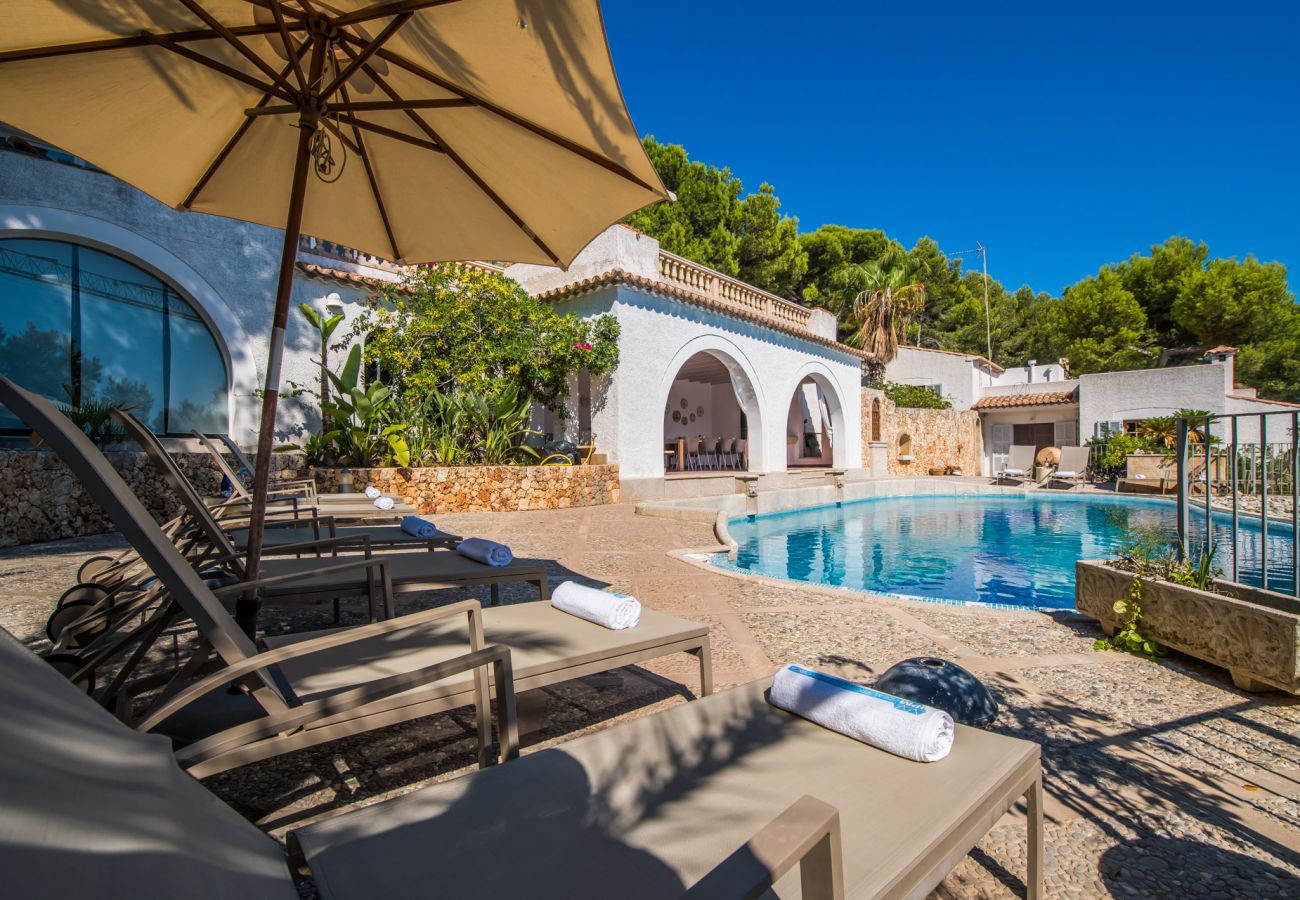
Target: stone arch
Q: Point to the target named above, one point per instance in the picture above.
(744, 383)
(231, 339)
(825, 379)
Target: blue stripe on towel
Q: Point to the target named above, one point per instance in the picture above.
(907, 706)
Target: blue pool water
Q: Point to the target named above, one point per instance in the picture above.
(1006, 549)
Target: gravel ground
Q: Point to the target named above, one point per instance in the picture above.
(1148, 765)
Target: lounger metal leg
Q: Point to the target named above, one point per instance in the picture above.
(507, 713)
(494, 593)
(1034, 803)
(705, 656)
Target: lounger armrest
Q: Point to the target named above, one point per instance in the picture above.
(262, 660)
(495, 655)
(807, 834)
(364, 562)
(362, 541)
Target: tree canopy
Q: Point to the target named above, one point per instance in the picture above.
(1160, 308)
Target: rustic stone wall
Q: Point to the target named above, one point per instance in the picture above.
(41, 500)
(939, 437)
(486, 488)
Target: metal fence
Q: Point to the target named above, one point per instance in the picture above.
(1259, 468)
(1263, 471)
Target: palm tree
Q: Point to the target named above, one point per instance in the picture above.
(885, 301)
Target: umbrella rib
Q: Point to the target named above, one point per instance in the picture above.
(231, 39)
(368, 51)
(234, 139)
(589, 155)
(278, 12)
(467, 169)
(364, 106)
(126, 43)
(389, 8)
(391, 133)
(374, 185)
(228, 71)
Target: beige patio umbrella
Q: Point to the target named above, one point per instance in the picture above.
(412, 129)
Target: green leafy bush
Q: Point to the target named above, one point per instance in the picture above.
(912, 396)
(453, 329)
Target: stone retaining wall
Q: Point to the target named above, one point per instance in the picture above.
(41, 500)
(486, 488)
(940, 437)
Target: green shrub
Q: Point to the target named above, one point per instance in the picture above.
(912, 396)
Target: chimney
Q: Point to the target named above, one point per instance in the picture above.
(1029, 368)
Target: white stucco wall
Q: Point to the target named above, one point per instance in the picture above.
(226, 268)
(962, 378)
(1143, 393)
(658, 335)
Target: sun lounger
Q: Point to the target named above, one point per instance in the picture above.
(1019, 465)
(709, 799)
(341, 506)
(408, 572)
(1073, 468)
(553, 645)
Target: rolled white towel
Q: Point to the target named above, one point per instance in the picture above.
(1010, 471)
(1065, 473)
(611, 610)
(373, 492)
(902, 727)
(490, 553)
(384, 503)
(417, 527)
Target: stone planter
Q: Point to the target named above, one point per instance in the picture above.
(485, 488)
(1254, 634)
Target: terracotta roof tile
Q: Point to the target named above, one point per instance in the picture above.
(1039, 398)
(677, 292)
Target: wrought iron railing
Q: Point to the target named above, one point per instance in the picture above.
(1264, 470)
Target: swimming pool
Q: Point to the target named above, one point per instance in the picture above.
(1004, 549)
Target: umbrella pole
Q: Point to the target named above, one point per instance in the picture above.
(247, 606)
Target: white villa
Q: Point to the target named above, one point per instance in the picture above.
(716, 378)
(1041, 404)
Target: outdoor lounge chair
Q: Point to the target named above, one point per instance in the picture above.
(301, 582)
(708, 799)
(552, 645)
(1073, 468)
(301, 492)
(1019, 464)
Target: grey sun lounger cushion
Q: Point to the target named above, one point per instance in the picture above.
(644, 810)
(409, 572)
(546, 646)
(90, 808)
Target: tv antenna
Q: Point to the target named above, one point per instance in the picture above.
(988, 319)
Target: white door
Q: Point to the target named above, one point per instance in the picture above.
(1000, 436)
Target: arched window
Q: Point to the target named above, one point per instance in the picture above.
(82, 327)
(875, 420)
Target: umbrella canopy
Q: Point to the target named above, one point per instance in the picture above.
(470, 129)
(435, 129)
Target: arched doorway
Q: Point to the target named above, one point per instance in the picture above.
(815, 434)
(711, 416)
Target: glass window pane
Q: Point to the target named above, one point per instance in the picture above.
(122, 336)
(198, 376)
(35, 318)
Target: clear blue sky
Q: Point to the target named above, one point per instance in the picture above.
(1061, 135)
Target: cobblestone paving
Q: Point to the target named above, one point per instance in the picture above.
(1162, 779)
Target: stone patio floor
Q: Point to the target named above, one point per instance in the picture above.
(1162, 779)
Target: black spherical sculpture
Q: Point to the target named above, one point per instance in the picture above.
(943, 685)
